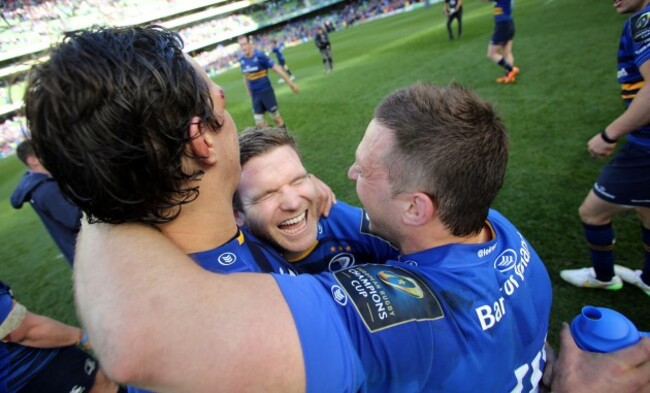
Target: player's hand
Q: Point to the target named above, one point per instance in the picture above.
(547, 377)
(578, 371)
(294, 87)
(598, 148)
(325, 197)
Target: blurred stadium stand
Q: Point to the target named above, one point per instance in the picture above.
(209, 28)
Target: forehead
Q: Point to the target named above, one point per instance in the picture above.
(278, 158)
(376, 143)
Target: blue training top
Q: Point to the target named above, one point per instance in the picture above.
(633, 52)
(344, 240)
(455, 318)
(61, 218)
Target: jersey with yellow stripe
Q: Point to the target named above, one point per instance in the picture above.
(503, 10)
(256, 71)
(633, 52)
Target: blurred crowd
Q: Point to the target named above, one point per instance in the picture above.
(37, 21)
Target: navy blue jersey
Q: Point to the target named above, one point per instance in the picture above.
(344, 240)
(277, 50)
(503, 10)
(633, 52)
(243, 253)
(18, 364)
(256, 71)
(455, 318)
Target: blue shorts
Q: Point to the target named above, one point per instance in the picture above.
(626, 179)
(70, 369)
(503, 32)
(264, 102)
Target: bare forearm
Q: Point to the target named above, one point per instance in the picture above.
(158, 320)
(42, 332)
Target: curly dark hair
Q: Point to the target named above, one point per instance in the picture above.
(109, 114)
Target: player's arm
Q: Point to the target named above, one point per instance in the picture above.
(248, 89)
(39, 331)
(636, 115)
(294, 87)
(159, 321)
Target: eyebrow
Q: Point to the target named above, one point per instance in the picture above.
(264, 193)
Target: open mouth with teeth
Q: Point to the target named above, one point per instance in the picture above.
(294, 225)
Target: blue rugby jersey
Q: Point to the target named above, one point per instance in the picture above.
(344, 240)
(18, 363)
(461, 318)
(503, 10)
(633, 52)
(256, 71)
(277, 50)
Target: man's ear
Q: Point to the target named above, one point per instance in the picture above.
(239, 216)
(33, 162)
(419, 209)
(201, 142)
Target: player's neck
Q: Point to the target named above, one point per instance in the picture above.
(434, 236)
(203, 224)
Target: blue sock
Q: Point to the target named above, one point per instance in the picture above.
(505, 64)
(600, 239)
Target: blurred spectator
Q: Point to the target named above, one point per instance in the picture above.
(61, 218)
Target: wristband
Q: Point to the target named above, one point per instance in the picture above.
(606, 138)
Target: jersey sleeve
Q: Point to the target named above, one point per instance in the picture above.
(331, 362)
(266, 61)
(639, 28)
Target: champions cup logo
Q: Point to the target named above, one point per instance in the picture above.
(227, 258)
(642, 21)
(401, 283)
(341, 261)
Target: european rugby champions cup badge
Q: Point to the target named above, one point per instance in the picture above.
(387, 296)
(641, 27)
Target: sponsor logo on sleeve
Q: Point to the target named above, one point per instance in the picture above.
(386, 296)
(227, 258)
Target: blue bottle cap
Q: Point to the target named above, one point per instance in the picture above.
(599, 329)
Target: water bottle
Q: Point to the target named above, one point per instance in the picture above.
(599, 329)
